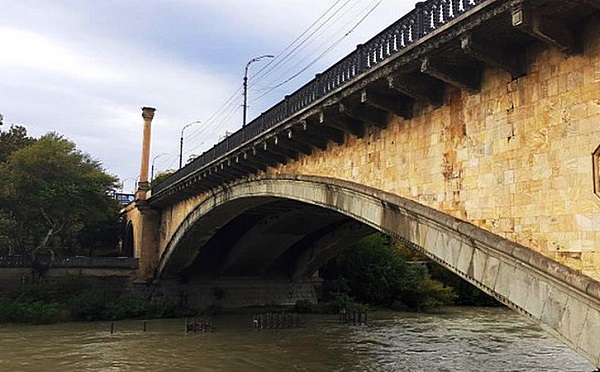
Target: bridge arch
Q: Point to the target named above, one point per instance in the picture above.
(558, 298)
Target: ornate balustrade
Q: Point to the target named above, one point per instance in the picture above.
(421, 21)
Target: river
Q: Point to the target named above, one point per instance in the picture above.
(452, 339)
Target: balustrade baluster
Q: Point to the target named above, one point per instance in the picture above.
(360, 58)
(452, 8)
(420, 21)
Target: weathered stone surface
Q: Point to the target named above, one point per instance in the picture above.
(465, 258)
(491, 272)
(573, 319)
(554, 307)
(504, 279)
(588, 340)
(478, 266)
(536, 298)
(520, 286)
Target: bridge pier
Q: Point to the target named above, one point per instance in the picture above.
(148, 241)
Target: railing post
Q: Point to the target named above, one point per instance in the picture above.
(420, 20)
(319, 89)
(360, 59)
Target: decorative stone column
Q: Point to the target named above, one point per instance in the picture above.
(143, 184)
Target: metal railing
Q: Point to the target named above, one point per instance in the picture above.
(421, 21)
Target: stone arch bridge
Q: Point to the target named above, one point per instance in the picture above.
(469, 129)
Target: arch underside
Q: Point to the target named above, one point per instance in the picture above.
(286, 227)
(127, 249)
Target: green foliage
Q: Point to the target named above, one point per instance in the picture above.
(72, 298)
(161, 177)
(375, 272)
(36, 292)
(34, 305)
(12, 140)
(433, 293)
(467, 294)
(90, 305)
(304, 307)
(124, 308)
(166, 308)
(340, 301)
(53, 197)
(36, 312)
(104, 305)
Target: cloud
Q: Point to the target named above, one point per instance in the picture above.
(84, 69)
(93, 95)
(31, 51)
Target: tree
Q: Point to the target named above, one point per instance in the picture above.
(12, 140)
(374, 271)
(161, 177)
(51, 191)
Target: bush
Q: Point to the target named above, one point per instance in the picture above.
(166, 308)
(304, 307)
(466, 293)
(35, 292)
(34, 312)
(45, 302)
(374, 271)
(433, 293)
(123, 308)
(341, 301)
(90, 305)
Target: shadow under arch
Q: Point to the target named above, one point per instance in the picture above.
(564, 302)
(128, 240)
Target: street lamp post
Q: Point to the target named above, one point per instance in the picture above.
(255, 59)
(122, 185)
(181, 140)
(153, 160)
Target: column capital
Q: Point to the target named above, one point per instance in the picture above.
(148, 113)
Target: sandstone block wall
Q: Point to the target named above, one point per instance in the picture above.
(514, 159)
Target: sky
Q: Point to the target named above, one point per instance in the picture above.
(84, 68)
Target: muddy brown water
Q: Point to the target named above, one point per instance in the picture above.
(452, 339)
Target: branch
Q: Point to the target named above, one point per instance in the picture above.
(54, 229)
(55, 226)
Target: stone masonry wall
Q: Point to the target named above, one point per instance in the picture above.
(13, 280)
(514, 159)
